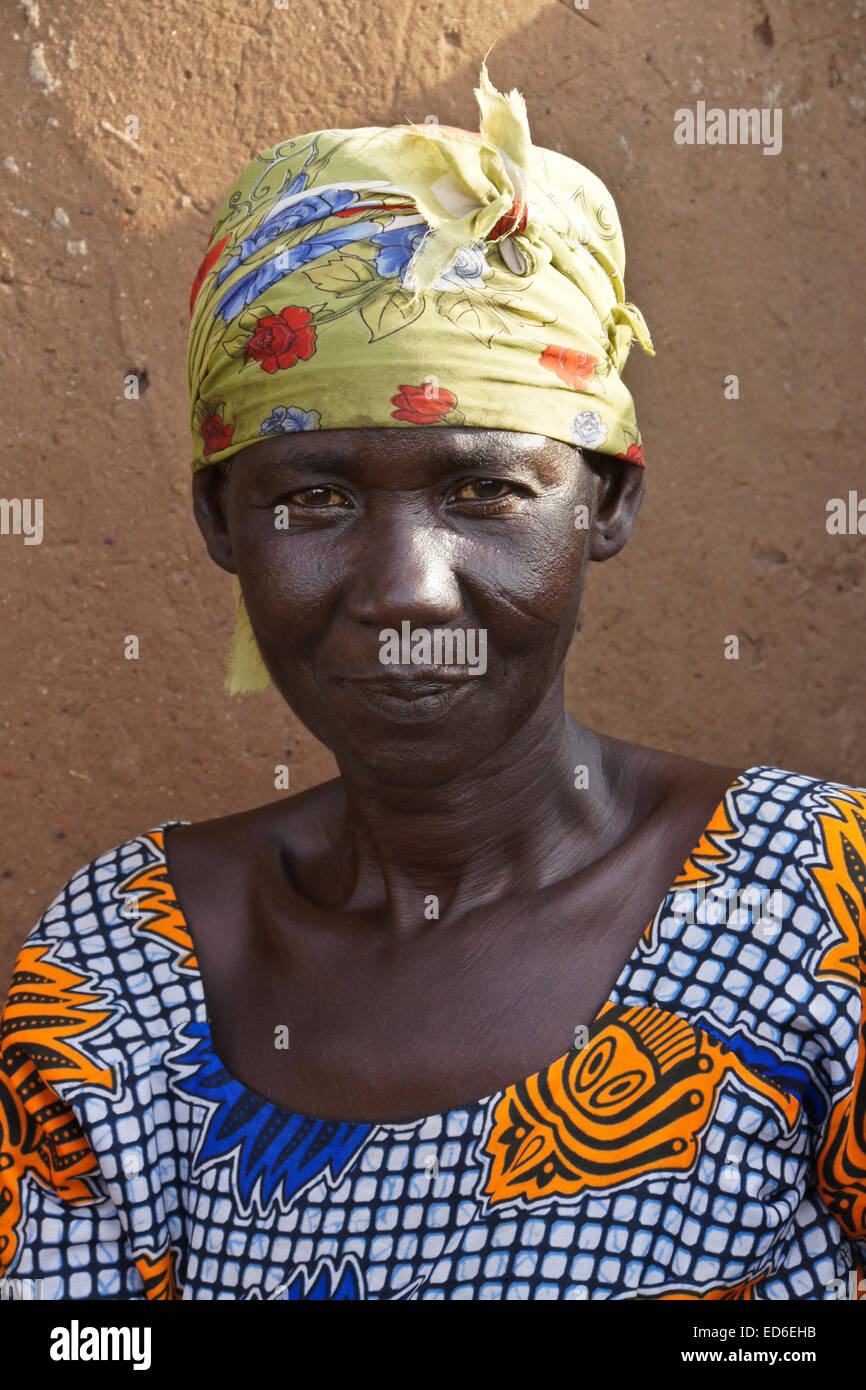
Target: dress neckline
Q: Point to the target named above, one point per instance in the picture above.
(738, 783)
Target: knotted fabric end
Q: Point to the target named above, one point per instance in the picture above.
(246, 673)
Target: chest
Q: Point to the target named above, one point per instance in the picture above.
(344, 1025)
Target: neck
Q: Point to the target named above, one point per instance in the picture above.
(514, 823)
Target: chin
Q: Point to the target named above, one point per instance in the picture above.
(414, 763)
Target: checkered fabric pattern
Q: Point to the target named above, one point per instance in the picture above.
(705, 1142)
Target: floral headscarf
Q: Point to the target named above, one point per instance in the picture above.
(412, 275)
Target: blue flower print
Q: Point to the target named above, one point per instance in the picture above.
(398, 245)
(285, 419)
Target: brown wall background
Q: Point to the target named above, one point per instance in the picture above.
(741, 262)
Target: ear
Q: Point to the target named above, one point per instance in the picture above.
(620, 489)
(210, 487)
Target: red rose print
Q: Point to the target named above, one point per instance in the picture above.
(634, 454)
(216, 434)
(422, 405)
(512, 223)
(280, 340)
(210, 259)
(574, 368)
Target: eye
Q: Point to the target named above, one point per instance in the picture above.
(481, 485)
(316, 497)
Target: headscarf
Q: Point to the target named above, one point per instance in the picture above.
(411, 275)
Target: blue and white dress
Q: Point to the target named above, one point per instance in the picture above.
(705, 1138)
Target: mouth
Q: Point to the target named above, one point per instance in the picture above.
(409, 699)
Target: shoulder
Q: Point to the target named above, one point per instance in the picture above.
(211, 862)
(103, 996)
(299, 814)
(797, 845)
(795, 976)
(792, 815)
(107, 964)
(93, 909)
(760, 940)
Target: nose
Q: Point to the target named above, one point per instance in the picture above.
(404, 570)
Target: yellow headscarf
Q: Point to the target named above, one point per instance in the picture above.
(411, 275)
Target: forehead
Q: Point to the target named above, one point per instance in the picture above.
(429, 447)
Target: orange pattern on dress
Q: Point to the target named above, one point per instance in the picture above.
(633, 1101)
(47, 1008)
(709, 854)
(712, 849)
(157, 910)
(842, 883)
(738, 1292)
(157, 1271)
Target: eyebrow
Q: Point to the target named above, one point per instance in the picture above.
(480, 454)
(307, 458)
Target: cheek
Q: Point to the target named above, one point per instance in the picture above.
(535, 586)
(290, 584)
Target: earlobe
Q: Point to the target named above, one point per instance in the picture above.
(208, 500)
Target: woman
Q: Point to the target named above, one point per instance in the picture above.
(509, 1009)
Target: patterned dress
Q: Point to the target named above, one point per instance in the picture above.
(704, 1137)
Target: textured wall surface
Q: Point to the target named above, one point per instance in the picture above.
(743, 263)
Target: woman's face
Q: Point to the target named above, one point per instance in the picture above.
(339, 536)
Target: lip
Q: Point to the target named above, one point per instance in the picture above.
(408, 687)
(407, 701)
